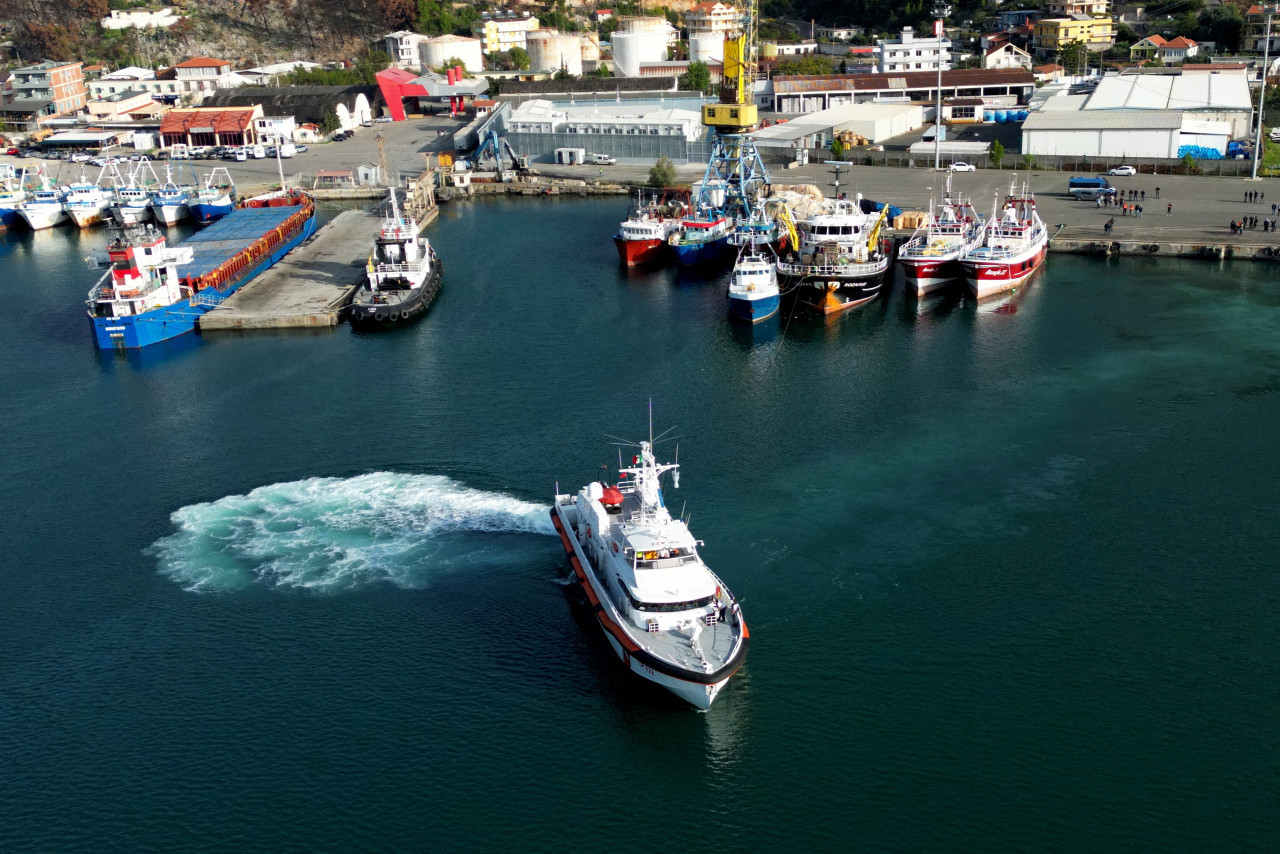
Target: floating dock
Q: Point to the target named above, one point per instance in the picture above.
(309, 287)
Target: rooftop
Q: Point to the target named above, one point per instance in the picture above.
(1108, 120)
(202, 62)
(904, 80)
(1172, 92)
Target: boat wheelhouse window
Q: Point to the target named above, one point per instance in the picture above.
(669, 607)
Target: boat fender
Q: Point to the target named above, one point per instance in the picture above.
(615, 548)
(380, 316)
(1115, 247)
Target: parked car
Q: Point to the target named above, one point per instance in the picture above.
(368, 124)
(300, 148)
(382, 119)
(603, 160)
(1122, 170)
(12, 152)
(961, 166)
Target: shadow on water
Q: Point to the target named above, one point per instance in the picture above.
(749, 335)
(146, 358)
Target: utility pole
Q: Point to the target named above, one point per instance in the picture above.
(1262, 94)
(937, 119)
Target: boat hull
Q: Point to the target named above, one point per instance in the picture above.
(926, 276)
(44, 217)
(754, 310)
(632, 252)
(131, 215)
(207, 212)
(704, 252)
(833, 294)
(369, 316)
(179, 318)
(9, 217)
(699, 689)
(169, 214)
(987, 278)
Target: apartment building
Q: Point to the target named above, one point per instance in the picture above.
(909, 52)
(497, 35)
(57, 87)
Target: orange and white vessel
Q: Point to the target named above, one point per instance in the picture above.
(1014, 246)
(931, 257)
(665, 613)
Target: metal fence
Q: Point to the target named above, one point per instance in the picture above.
(1050, 163)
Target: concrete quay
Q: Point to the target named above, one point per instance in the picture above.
(309, 286)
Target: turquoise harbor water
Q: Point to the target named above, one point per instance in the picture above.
(1010, 570)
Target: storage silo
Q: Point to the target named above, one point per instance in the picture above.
(435, 52)
(551, 50)
(707, 47)
(630, 50)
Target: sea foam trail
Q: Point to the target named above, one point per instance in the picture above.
(338, 533)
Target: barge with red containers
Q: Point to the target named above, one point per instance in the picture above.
(153, 292)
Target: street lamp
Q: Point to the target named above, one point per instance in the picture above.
(1270, 9)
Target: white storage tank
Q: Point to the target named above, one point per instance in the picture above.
(551, 50)
(630, 50)
(707, 47)
(435, 52)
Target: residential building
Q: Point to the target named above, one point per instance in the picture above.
(498, 35)
(911, 53)
(1177, 50)
(1067, 8)
(125, 106)
(807, 94)
(1017, 18)
(1007, 55)
(275, 129)
(796, 48)
(140, 19)
(128, 79)
(209, 126)
(712, 18)
(1147, 49)
(1051, 35)
(1048, 73)
(61, 84)
(403, 48)
(601, 15)
(838, 33)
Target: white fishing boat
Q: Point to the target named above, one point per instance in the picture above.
(169, 204)
(665, 613)
(215, 199)
(1015, 244)
(754, 294)
(931, 257)
(13, 192)
(87, 202)
(132, 204)
(44, 207)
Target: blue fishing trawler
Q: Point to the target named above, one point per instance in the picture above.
(153, 292)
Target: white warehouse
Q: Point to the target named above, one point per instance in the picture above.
(876, 122)
(1121, 134)
(539, 116)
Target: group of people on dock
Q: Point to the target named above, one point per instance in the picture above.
(1238, 226)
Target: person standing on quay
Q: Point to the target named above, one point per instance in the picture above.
(1168, 212)
(1157, 192)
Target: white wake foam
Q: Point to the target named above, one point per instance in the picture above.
(337, 533)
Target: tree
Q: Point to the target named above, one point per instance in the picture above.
(1222, 25)
(837, 148)
(451, 62)
(1074, 57)
(697, 78)
(663, 173)
(329, 122)
(812, 64)
(997, 154)
(519, 58)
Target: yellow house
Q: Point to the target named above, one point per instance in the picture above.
(1050, 35)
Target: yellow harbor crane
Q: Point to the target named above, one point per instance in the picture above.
(736, 112)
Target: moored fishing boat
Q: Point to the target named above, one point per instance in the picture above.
(215, 199)
(44, 206)
(1015, 244)
(931, 257)
(169, 203)
(13, 192)
(702, 239)
(665, 613)
(403, 275)
(87, 203)
(642, 237)
(841, 260)
(753, 285)
(153, 292)
(132, 205)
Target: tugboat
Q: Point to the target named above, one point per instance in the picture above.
(642, 237)
(840, 263)
(214, 200)
(403, 275)
(753, 287)
(44, 208)
(1014, 246)
(931, 257)
(665, 613)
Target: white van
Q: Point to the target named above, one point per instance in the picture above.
(241, 154)
(603, 160)
(259, 152)
(288, 150)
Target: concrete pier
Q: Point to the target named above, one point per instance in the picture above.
(309, 287)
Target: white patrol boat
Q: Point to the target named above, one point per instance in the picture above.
(666, 615)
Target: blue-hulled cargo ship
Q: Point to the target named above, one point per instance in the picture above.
(154, 292)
